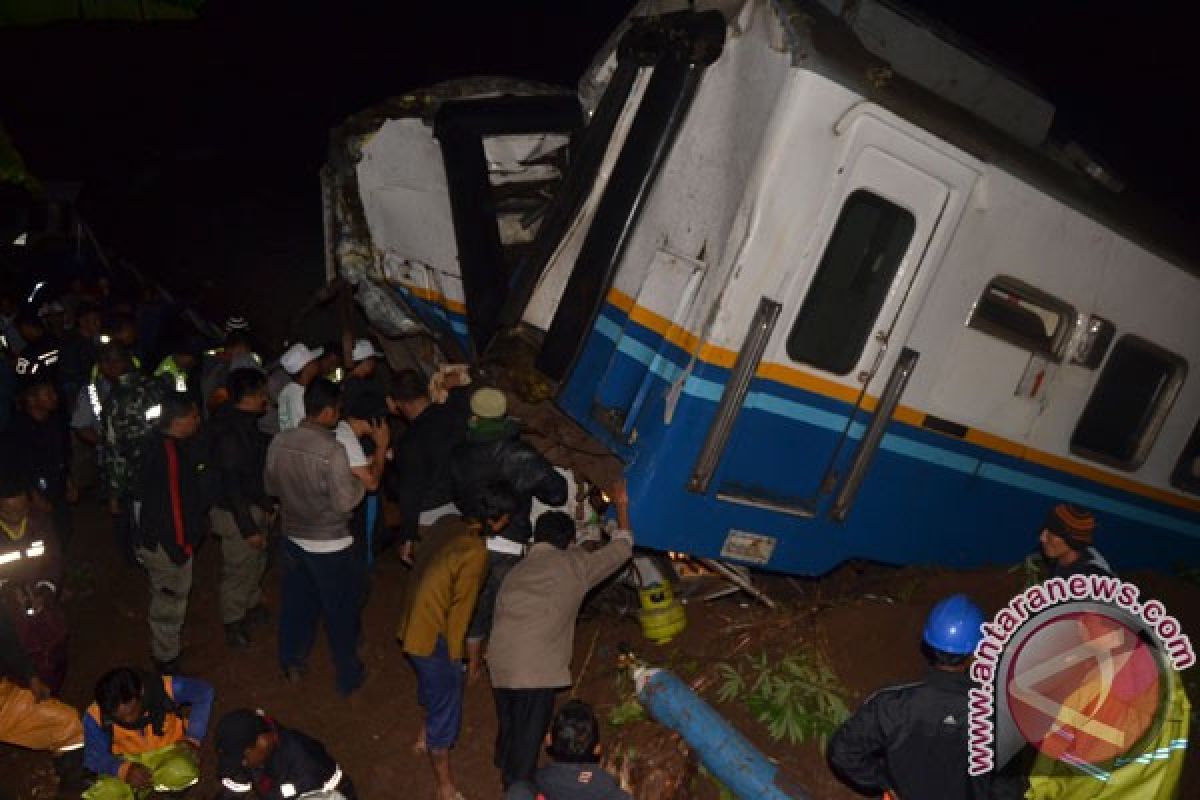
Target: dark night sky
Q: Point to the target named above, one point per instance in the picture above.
(200, 142)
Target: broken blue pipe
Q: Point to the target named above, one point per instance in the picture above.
(721, 749)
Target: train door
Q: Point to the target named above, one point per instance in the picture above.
(829, 343)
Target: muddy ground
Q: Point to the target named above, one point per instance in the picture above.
(865, 618)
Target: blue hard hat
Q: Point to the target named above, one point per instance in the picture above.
(953, 626)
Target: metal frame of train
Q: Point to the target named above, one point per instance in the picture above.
(816, 275)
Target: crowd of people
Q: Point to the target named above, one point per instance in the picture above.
(329, 466)
(325, 467)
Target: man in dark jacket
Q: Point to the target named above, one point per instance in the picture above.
(42, 351)
(575, 774)
(175, 490)
(1066, 540)
(910, 741)
(494, 451)
(80, 351)
(38, 435)
(419, 481)
(258, 757)
(239, 518)
(362, 377)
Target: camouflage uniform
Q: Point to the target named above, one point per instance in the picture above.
(128, 415)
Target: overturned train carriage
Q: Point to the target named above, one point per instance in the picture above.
(815, 273)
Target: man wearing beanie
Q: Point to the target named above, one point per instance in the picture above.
(258, 757)
(1066, 540)
(494, 451)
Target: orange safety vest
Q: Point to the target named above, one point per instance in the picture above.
(130, 742)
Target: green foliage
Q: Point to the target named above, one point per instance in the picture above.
(627, 709)
(625, 712)
(797, 698)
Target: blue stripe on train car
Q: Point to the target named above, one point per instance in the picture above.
(928, 498)
(435, 315)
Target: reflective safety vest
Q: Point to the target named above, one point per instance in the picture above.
(178, 374)
(21, 550)
(1152, 772)
(168, 729)
(93, 392)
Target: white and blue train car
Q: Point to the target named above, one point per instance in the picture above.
(827, 292)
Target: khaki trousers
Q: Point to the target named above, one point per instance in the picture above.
(242, 566)
(170, 585)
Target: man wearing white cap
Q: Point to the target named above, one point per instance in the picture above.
(361, 378)
(301, 364)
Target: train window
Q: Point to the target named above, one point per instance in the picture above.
(852, 281)
(1186, 475)
(1020, 314)
(1126, 410)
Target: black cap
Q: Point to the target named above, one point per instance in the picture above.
(237, 731)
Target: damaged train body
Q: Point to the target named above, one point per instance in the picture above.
(815, 272)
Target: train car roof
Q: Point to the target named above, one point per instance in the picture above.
(820, 41)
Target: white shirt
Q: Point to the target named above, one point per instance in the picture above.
(291, 406)
(323, 545)
(350, 443)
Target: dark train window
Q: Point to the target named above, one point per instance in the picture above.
(1186, 475)
(1020, 314)
(1126, 410)
(867, 247)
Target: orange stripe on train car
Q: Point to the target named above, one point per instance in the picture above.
(806, 381)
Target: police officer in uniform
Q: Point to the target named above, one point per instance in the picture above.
(259, 758)
(909, 742)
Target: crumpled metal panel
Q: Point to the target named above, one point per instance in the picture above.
(384, 311)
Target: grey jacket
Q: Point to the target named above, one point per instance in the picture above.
(308, 471)
(533, 634)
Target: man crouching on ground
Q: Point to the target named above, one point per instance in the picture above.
(143, 733)
(439, 599)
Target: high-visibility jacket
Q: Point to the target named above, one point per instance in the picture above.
(106, 744)
(1152, 773)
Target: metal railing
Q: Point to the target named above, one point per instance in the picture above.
(897, 381)
(734, 393)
